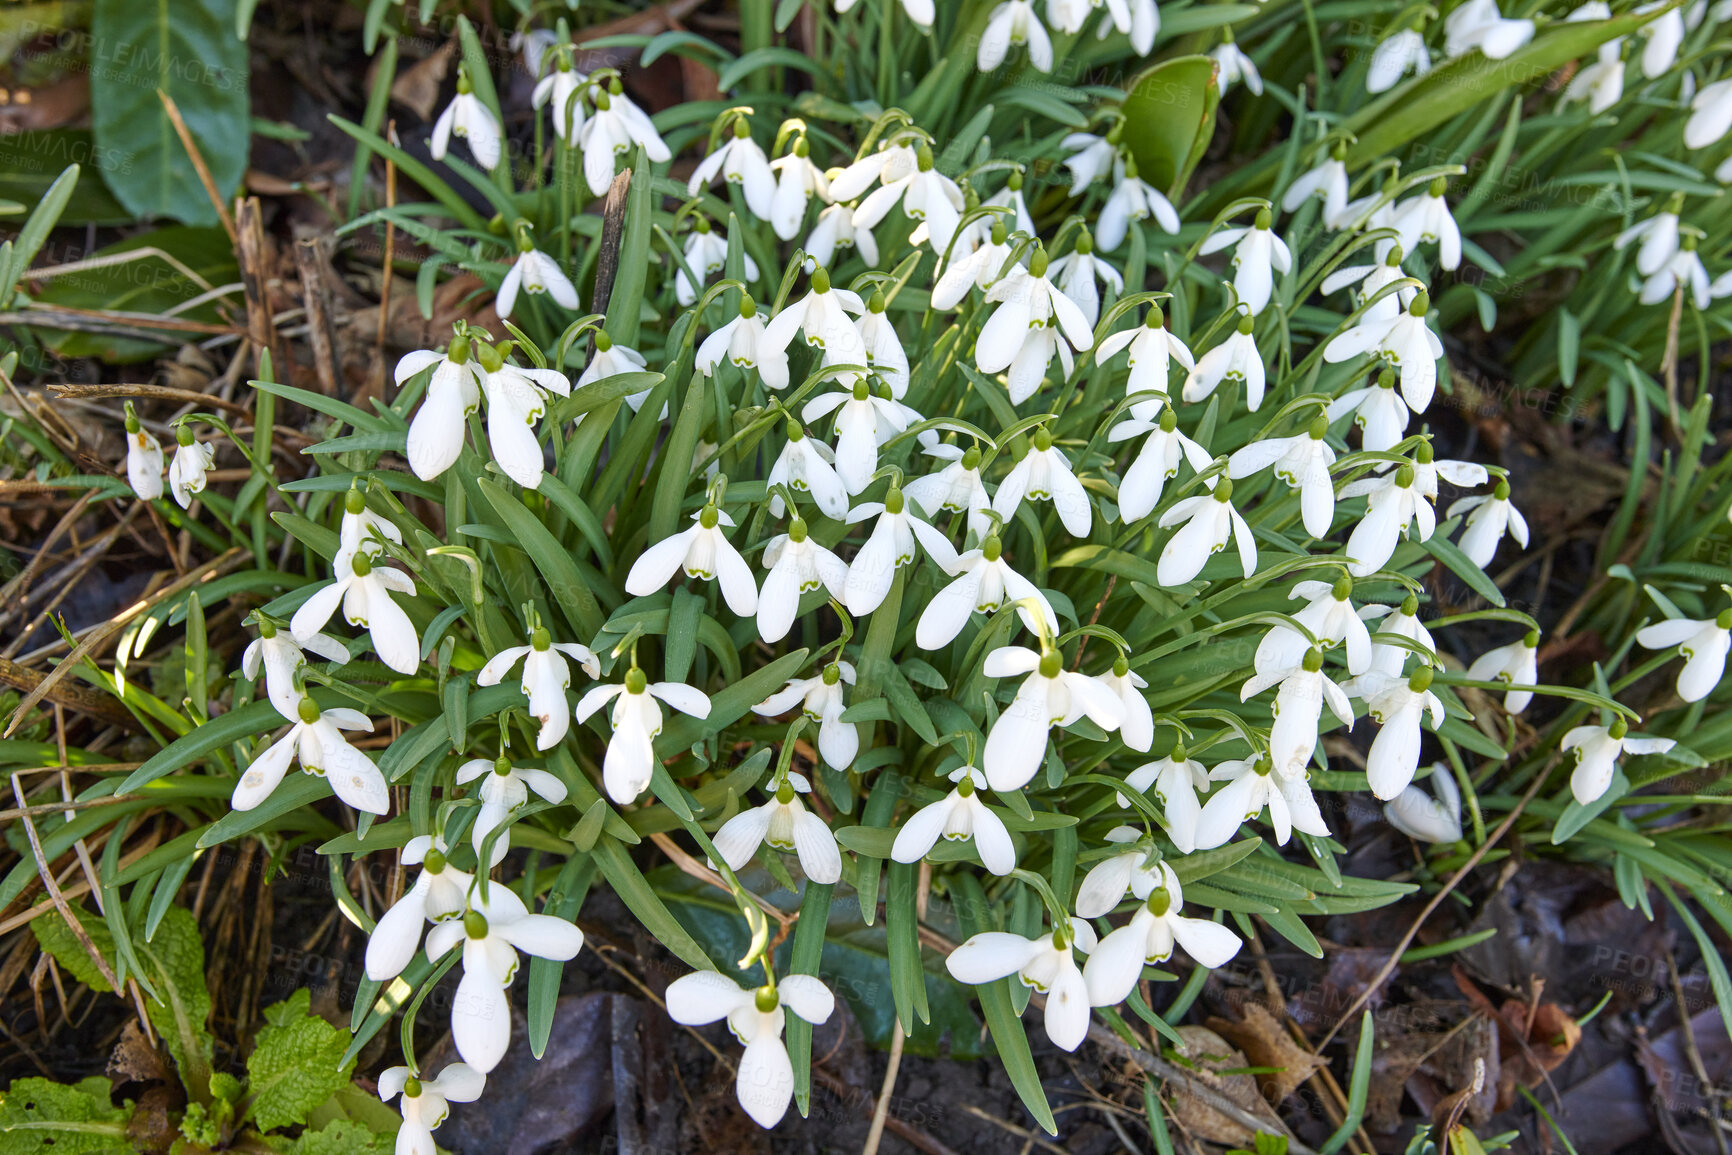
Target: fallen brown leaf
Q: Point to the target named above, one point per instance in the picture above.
(1267, 1044)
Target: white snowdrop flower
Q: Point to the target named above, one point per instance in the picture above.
(1397, 704)
(1010, 197)
(1235, 67)
(1251, 787)
(1134, 870)
(1013, 24)
(1139, 19)
(1080, 274)
(186, 474)
(821, 316)
(1326, 182)
(533, 47)
(820, 699)
(1156, 463)
(797, 565)
(786, 824)
(473, 121)
(610, 360)
(453, 392)
(616, 127)
(957, 488)
(1683, 273)
(863, 416)
(884, 352)
(1426, 219)
(1132, 199)
(1091, 158)
(1177, 780)
(1434, 817)
(984, 581)
(1033, 321)
(1044, 474)
(1703, 644)
(919, 11)
(637, 719)
(495, 927)
(1303, 689)
(925, 194)
(959, 816)
(739, 161)
(1149, 938)
(1136, 719)
(317, 741)
(364, 592)
(1488, 519)
(1402, 622)
(1393, 503)
(516, 400)
(1209, 522)
(1396, 55)
(504, 788)
(798, 180)
(974, 270)
(563, 90)
(1368, 212)
(1329, 615)
(437, 895)
(1427, 470)
(1069, 16)
(706, 254)
(1369, 280)
(361, 531)
(1710, 115)
(1601, 83)
(741, 342)
(278, 654)
(765, 1082)
(1659, 237)
(893, 160)
(143, 459)
(1598, 749)
(546, 676)
(1664, 35)
(837, 230)
(1479, 24)
(888, 548)
(1153, 348)
(1408, 343)
(1303, 462)
(1046, 963)
(534, 272)
(1377, 409)
(1236, 359)
(1516, 664)
(704, 552)
(806, 465)
(426, 1101)
(1258, 254)
(1049, 696)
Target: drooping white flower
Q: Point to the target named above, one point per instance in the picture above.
(1710, 115)
(495, 927)
(1329, 615)
(1426, 219)
(316, 740)
(1303, 462)
(1251, 786)
(1598, 749)
(807, 465)
(957, 487)
(973, 270)
(535, 272)
(563, 89)
(740, 161)
(1682, 274)
(278, 654)
(889, 547)
(1326, 182)
(1488, 519)
(637, 719)
(1049, 696)
(1068, 16)
(765, 1083)
(1368, 281)
(1177, 780)
(836, 230)
(1235, 67)
(798, 180)
(1044, 474)
(1398, 705)
(1393, 502)
(786, 824)
(1516, 664)
(1235, 359)
(1033, 321)
(1434, 817)
(884, 352)
(821, 316)
(1046, 963)
(362, 531)
(143, 459)
(1479, 24)
(1378, 410)
(957, 817)
(1156, 463)
(504, 788)
(1258, 254)
(1139, 19)
(1091, 158)
(437, 895)
(925, 194)
(616, 127)
(706, 254)
(704, 552)
(1076, 274)
(797, 565)
(1703, 644)
(1660, 241)
(1601, 83)
(364, 592)
(1132, 199)
(1303, 690)
(1136, 719)
(453, 392)
(546, 677)
(186, 474)
(1664, 35)
(1407, 342)
(865, 419)
(984, 581)
(742, 343)
(1014, 23)
(919, 11)
(820, 699)
(1394, 56)
(1134, 870)
(1152, 349)
(516, 400)
(1117, 963)
(473, 121)
(1010, 197)
(1401, 622)
(426, 1101)
(1209, 522)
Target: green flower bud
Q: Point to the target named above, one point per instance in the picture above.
(765, 1000)
(1051, 664)
(820, 280)
(434, 862)
(474, 924)
(709, 517)
(541, 640)
(1420, 680)
(308, 710)
(636, 681)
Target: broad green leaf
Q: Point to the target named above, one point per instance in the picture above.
(42, 1116)
(58, 939)
(175, 962)
(296, 1064)
(1170, 118)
